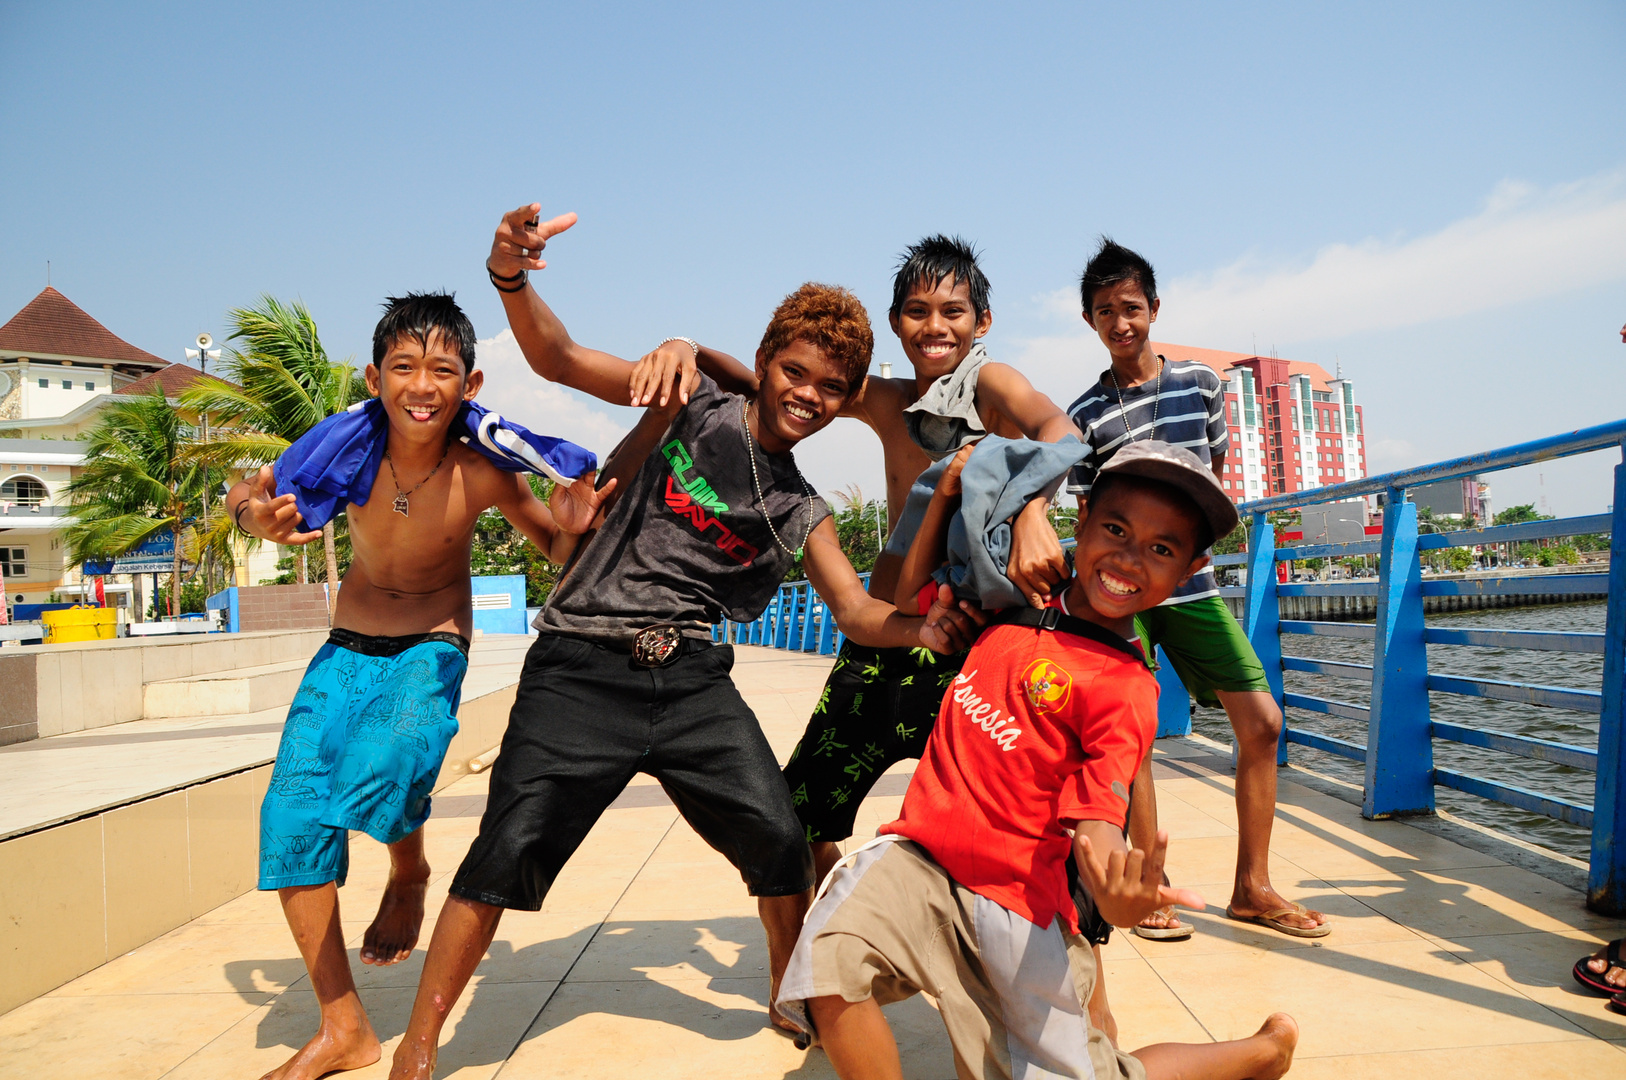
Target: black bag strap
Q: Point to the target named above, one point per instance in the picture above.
(1055, 619)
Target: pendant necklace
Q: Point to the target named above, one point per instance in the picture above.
(400, 504)
(756, 482)
(1123, 410)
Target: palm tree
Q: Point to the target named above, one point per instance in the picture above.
(138, 478)
(284, 386)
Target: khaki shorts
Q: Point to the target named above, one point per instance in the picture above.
(891, 923)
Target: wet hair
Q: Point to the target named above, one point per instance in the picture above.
(1202, 531)
(933, 259)
(829, 317)
(1111, 264)
(420, 316)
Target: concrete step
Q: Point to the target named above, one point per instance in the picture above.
(221, 693)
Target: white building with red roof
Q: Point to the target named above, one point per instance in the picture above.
(58, 368)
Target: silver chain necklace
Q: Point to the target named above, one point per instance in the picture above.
(1123, 410)
(756, 482)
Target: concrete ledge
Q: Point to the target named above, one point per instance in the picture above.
(76, 895)
(219, 693)
(92, 684)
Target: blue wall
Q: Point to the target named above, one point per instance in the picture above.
(499, 604)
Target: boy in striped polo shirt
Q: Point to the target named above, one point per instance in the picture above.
(1144, 396)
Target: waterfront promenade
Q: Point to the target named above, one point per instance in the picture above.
(1450, 954)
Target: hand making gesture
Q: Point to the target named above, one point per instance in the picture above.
(576, 504)
(268, 515)
(1129, 886)
(520, 239)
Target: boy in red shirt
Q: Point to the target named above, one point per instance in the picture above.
(965, 896)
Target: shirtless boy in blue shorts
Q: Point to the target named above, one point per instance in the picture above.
(378, 705)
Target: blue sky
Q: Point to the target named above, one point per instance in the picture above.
(1432, 194)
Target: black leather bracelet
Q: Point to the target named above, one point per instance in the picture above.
(498, 277)
(498, 282)
(237, 518)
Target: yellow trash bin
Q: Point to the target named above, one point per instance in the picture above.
(80, 624)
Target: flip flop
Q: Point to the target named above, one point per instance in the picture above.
(1165, 933)
(1272, 919)
(1591, 979)
(1617, 1002)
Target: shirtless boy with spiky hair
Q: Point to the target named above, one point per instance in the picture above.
(416, 465)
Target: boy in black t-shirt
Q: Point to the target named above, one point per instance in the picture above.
(624, 677)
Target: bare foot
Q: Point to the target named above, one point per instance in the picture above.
(330, 1051)
(780, 1022)
(412, 1061)
(1257, 902)
(395, 929)
(1282, 1032)
(1599, 965)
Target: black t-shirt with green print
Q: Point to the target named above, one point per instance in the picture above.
(687, 542)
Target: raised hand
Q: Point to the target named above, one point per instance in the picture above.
(576, 504)
(1037, 563)
(1129, 886)
(520, 239)
(671, 370)
(951, 625)
(949, 482)
(271, 516)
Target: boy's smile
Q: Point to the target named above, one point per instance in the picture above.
(801, 390)
(1135, 546)
(938, 326)
(1121, 316)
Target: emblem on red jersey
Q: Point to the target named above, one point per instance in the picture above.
(1046, 684)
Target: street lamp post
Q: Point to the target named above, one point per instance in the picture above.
(203, 354)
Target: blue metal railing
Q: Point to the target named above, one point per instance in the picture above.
(1399, 751)
(796, 619)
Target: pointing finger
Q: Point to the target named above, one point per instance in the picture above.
(554, 226)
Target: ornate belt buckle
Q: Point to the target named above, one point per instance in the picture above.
(656, 646)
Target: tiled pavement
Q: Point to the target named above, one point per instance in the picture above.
(648, 960)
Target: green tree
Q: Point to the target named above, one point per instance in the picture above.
(859, 525)
(284, 386)
(139, 477)
(499, 548)
(1513, 515)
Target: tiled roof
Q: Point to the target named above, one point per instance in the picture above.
(1222, 361)
(51, 323)
(174, 379)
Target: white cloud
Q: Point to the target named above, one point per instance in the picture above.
(1524, 244)
(514, 390)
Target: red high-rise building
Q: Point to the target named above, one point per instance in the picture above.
(1293, 426)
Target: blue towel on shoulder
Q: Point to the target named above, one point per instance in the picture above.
(334, 463)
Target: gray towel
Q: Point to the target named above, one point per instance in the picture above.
(999, 479)
(945, 418)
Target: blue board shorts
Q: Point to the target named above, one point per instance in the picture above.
(361, 749)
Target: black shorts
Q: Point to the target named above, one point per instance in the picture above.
(585, 721)
(878, 708)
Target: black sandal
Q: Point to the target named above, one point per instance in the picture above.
(1595, 982)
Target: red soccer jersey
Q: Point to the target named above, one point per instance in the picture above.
(1040, 728)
